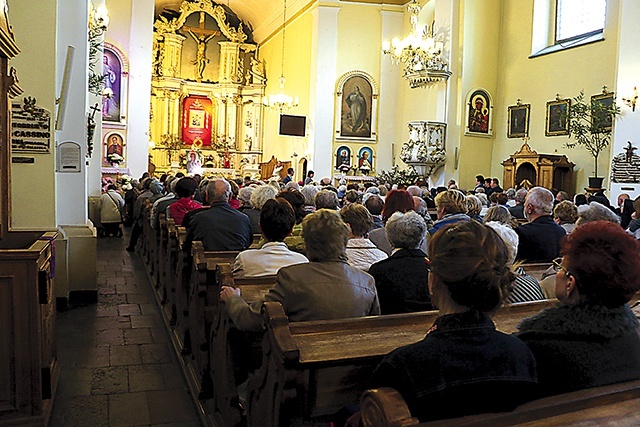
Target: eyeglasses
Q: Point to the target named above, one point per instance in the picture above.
(557, 266)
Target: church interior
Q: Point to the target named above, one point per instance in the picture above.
(97, 89)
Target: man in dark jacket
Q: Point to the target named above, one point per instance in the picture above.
(220, 228)
(540, 238)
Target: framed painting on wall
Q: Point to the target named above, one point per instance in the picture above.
(343, 158)
(556, 122)
(607, 100)
(356, 106)
(113, 148)
(365, 160)
(518, 120)
(112, 86)
(479, 113)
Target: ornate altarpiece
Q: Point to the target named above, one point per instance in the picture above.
(207, 53)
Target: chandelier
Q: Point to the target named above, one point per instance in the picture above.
(420, 53)
(281, 102)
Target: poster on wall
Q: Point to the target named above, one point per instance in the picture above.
(30, 127)
(196, 120)
(112, 82)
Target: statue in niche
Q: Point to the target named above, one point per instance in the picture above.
(201, 60)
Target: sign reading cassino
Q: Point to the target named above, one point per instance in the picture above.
(30, 127)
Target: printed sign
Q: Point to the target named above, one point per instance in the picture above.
(30, 127)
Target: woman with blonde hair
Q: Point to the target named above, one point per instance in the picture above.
(451, 207)
(474, 207)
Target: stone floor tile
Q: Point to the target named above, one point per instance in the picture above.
(141, 298)
(137, 336)
(74, 382)
(129, 310)
(145, 378)
(149, 308)
(112, 300)
(172, 375)
(93, 357)
(128, 409)
(106, 311)
(145, 321)
(170, 406)
(155, 353)
(114, 379)
(110, 337)
(81, 411)
(120, 355)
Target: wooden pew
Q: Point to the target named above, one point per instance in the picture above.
(614, 404)
(312, 369)
(233, 353)
(201, 299)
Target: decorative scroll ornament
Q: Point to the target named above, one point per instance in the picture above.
(425, 151)
(217, 12)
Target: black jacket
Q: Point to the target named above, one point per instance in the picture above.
(462, 367)
(539, 240)
(581, 346)
(401, 282)
(221, 228)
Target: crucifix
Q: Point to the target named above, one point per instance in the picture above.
(201, 36)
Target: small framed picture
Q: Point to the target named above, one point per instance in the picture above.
(557, 122)
(518, 122)
(606, 101)
(479, 113)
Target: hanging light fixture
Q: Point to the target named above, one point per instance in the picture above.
(281, 102)
(421, 54)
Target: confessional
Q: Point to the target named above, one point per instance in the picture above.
(527, 167)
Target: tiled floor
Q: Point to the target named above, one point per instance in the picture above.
(117, 364)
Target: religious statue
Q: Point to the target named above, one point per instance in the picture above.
(201, 60)
(109, 103)
(629, 152)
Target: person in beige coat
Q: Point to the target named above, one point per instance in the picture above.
(111, 204)
(325, 288)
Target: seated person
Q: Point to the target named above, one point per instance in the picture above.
(565, 214)
(185, 189)
(540, 237)
(592, 338)
(258, 198)
(401, 279)
(395, 201)
(276, 222)
(525, 288)
(451, 207)
(294, 240)
(360, 250)
(325, 288)
(463, 366)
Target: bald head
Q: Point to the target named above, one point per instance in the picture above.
(218, 190)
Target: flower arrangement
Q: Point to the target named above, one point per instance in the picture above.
(115, 158)
(125, 182)
(405, 177)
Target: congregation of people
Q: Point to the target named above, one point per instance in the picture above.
(353, 250)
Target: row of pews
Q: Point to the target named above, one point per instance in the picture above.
(303, 372)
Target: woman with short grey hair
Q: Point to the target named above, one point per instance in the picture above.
(258, 198)
(309, 192)
(401, 279)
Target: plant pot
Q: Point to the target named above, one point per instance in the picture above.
(595, 182)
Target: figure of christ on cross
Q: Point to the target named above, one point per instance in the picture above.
(201, 36)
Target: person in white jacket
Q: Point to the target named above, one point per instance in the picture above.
(111, 205)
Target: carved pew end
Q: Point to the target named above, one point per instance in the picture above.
(385, 407)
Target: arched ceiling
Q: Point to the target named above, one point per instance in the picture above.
(264, 16)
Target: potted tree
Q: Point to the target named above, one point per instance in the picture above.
(589, 124)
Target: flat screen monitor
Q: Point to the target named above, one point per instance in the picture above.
(292, 125)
